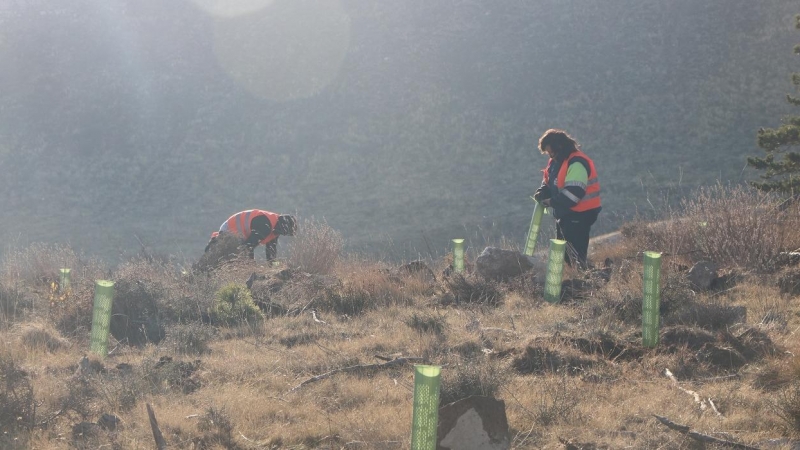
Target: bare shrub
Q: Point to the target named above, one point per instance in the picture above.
(426, 323)
(475, 377)
(168, 375)
(787, 406)
(29, 284)
(216, 428)
(558, 402)
(742, 226)
(134, 317)
(12, 305)
(472, 289)
(315, 248)
(733, 226)
(16, 395)
(190, 339)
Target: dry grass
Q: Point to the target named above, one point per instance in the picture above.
(572, 372)
(315, 248)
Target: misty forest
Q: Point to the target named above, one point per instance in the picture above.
(126, 123)
(131, 129)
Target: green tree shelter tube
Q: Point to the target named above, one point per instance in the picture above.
(63, 280)
(458, 255)
(427, 380)
(101, 316)
(533, 231)
(652, 299)
(555, 266)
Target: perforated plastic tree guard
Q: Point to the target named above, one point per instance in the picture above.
(458, 255)
(555, 266)
(533, 231)
(101, 316)
(63, 280)
(426, 407)
(652, 299)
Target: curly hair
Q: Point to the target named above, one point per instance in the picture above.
(559, 141)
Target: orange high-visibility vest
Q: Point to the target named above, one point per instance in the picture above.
(239, 223)
(592, 198)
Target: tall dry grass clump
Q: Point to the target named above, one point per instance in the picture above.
(29, 287)
(739, 226)
(734, 226)
(315, 248)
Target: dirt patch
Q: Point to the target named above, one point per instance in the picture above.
(684, 336)
(607, 348)
(540, 360)
(722, 351)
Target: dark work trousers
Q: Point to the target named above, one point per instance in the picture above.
(575, 230)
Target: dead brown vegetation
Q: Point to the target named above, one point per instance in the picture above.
(570, 372)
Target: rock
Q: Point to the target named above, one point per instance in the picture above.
(500, 265)
(473, 423)
(109, 422)
(703, 274)
(725, 358)
(789, 282)
(787, 259)
(418, 268)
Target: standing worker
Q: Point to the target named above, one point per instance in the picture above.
(570, 187)
(257, 227)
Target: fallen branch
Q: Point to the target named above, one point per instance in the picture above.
(392, 363)
(684, 429)
(161, 443)
(695, 395)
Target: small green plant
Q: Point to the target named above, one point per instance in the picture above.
(234, 304)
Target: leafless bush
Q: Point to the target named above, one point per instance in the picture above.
(558, 402)
(427, 323)
(472, 289)
(16, 395)
(190, 339)
(216, 428)
(475, 377)
(742, 227)
(787, 406)
(29, 280)
(13, 305)
(733, 226)
(315, 248)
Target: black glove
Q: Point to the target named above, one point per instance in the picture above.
(542, 193)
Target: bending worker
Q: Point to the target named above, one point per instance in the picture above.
(570, 187)
(257, 227)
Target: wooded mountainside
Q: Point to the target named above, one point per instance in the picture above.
(129, 120)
